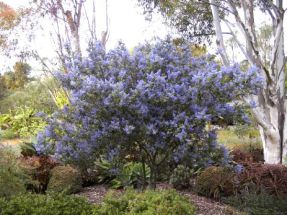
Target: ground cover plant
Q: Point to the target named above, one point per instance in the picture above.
(148, 202)
(56, 204)
(152, 105)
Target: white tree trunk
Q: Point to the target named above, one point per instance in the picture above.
(284, 153)
(271, 146)
(271, 110)
(218, 32)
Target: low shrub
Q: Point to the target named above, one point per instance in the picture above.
(12, 178)
(167, 202)
(181, 177)
(216, 182)
(65, 179)
(258, 204)
(240, 156)
(264, 177)
(28, 204)
(39, 169)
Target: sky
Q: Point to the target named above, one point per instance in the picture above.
(126, 23)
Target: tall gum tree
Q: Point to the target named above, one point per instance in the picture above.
(270, 110)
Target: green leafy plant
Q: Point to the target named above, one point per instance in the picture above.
(64, 179)
(132, 174)
(59, 204)
(165, 202)
(27, 148)
(62, 98)
(122, 175)
(22, 121)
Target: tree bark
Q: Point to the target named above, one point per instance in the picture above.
(218, 32)
(271, 110)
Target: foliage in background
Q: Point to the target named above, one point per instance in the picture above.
(153, 104)
(12, 178)
(45, 205)
(167, 202)
(193, 19)
(34, 95)
(17, 78)
(251, 156)
(61, 99)
(243, 137)
(22, 121)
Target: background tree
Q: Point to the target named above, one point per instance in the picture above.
(18, 77)
(2, 87)
(193, 19)
(21, 72)
(8, 20)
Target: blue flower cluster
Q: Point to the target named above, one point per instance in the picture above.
(154, 102)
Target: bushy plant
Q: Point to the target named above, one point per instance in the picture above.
(64, 179)
(181, 177)
(165, 202)
(216, 182)
(153, 104)
(29, 204)
(258, 204)
(12, 178)
(264, 177)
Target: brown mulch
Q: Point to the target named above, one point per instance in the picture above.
(205, 206)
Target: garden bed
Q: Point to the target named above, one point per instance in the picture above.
(204, 206)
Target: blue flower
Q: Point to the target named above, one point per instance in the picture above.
(239, 168)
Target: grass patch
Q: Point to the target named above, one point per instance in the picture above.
(242, 137)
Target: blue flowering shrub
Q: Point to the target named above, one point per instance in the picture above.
(152, 105)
